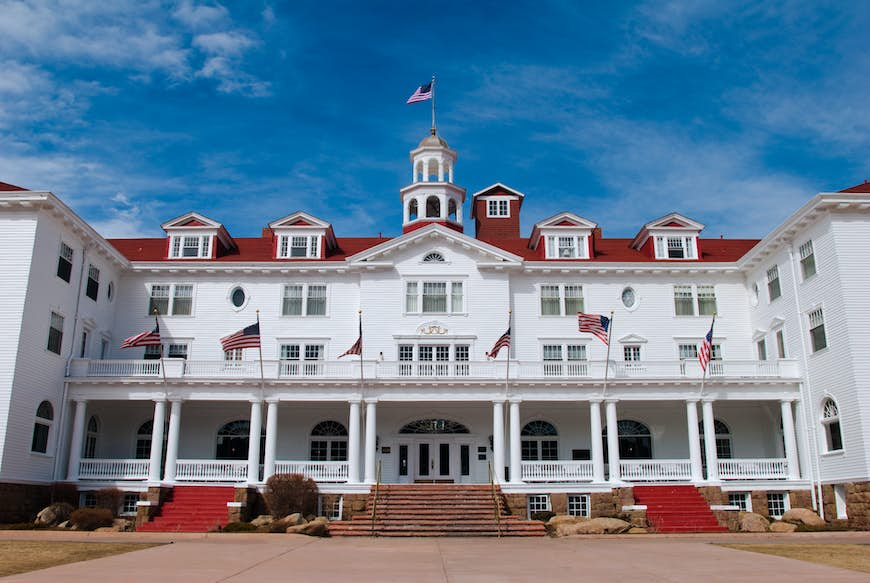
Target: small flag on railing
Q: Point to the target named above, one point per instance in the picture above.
(503, 342)
(595, 324)
(151, 338)
(706, 351)
(245, 338)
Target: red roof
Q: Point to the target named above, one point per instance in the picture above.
(620, 250)
(6, 187)
(863, 187)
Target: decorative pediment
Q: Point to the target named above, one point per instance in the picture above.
(565, 223)
(497, 188)
(632, 339)
(672, 236)
(433, 328)
(299, 219)
(674, 221)
(195, 236)
(191, 220)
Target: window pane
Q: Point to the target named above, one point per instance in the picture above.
(39, 443)
(64, 262)
(706, 300)
(573, 299)
(289, 352)
(773, 288)
(434, 297)
(316, 300)
(780, 344)
(159, 300)
(298, 246)
(567, 247)
(190, 247)
(550, 300)
(292, 305)
(411, 296)
(684, 304)
(688, 351)
(817, 335)
(456, 297)
(576, 351)
(675, 248)
(182, 302)
(55, 333)
(552, 352)
(808, 260)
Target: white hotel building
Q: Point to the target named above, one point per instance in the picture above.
(782, 417)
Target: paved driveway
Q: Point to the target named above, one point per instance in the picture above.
(264, 558)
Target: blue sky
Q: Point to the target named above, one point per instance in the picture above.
(733, 113)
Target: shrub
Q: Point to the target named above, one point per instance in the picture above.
(289, 493)
(65, 492)
(239, 527)
(91, 518)
(109, 498)
(543, 515)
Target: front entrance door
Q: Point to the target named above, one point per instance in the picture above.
(433, 461)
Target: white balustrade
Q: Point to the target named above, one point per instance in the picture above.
(655, 470)
(317, 471)
(222, 368)
(556, 471)
(105, 469)
(123, 368)
(753, 469)
(211, 470)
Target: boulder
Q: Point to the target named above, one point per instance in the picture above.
(780, 526)
(263, 520)
(600, 526)
(118, 525)
(317, 527)
(54, 514)
(752, 522)
(803, 516)
(64, 524)
(294, 519)
(637, 530)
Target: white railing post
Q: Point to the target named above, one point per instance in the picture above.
(172, 441)
(498, 440)
(597, 443)
(78, 436)
(157, 429)
(694, 440)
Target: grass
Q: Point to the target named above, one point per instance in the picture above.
(22, 556)
(845, 556)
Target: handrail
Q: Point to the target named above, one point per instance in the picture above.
(495, 503)
(377, 493)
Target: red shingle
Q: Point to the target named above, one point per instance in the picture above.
(619, 250)
(863, 187)
(6, 187)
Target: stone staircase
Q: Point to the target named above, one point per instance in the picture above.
(192, 509)
(453, 510)
(677, 509)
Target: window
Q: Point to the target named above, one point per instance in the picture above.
(93, 287)
(333, 508)
(561, 299)
(177, 350)
(565, 360)
(171, 299)
(64, 262)
(808, 260)
(777, 504)
(629, 298)
(761, 349)
(706, 300)
(578, 505)
(91, 437)
(741, 500)
(817, 330)
(567, 247)
(55, 333)
(674, 247)
(831, 424)
(190, 246)
(302, 359)
(635, 440)
(299, 246)
(433, 257)
(238, 297)
(723, 440)
(83, 346)
(773, 289)
(143, 440)
(497, 208)
(233, 439)
(538, 503)
(684, 300)
(631, 353)
(233, 357)
(42, 427)
(304, 299)
(128, 505)
(780, 344)
(328, 442)
(434, 297)
(689, 353)
(539, 441)
(840, 501)
(110, 291)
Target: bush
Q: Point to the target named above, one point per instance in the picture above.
(289, 493)
(64, 492)
(109, 498)
(239, 527)
(91, 518)
(543, 515)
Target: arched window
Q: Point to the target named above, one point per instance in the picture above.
(451, 209)
(723, 441)
(433, 257)
(635, 440)
(42, 427)
(831, 423)
(539, 441)
(91, 437)
(233, 439)
(433, 207)
(329, 442)
(143, 440)
(434, 426)
(412, 210)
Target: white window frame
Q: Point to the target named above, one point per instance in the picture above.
(93, 276)
(807, 258)
(450, 290)
(580, 505)
(51, 323)
(170, 300)
(774, 281)
(781, 350)
(761, 349)
(285, 247)
(815, 320)
(563, 297)
(498, 208)
(687, 244)
(203, 246)
(128, 504)
(302, 365)
(48, 424)
(306, 291)
(689, 299)
(65, 253)
(538, 503)
(746, 498)
(829, 417)
(579, 243)
(786, 504)
(635, 348)
(170, 348)
(567, 363)
(434, 367)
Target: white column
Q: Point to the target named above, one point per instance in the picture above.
(406, 211)
(694, 440)
(516, 444)
(612, 442)
(353, 444)
(595, 439)
(157, 430)
(414, 172)
(172, 441)
(256, 428)
(426, 163)
(271, 439)
(78, 436)
(450, 173)
(498, 440)
(788, 435)
(440, 170)
(710, 442)
(442, 201)
(371, 440)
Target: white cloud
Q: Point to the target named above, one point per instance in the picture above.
(231, 43)
(200, 15)
(124, 219)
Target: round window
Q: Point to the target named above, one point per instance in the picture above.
(629, 298)
(238, 297)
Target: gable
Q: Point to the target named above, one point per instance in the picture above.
(191, 220)
(299, 219)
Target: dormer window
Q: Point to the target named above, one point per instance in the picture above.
(567, 247)
(299, 247)
(190, 246)
(498, 208)
(675, 247)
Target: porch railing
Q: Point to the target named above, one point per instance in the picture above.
(317, 471)
(211, 470)
(753, 469)
(556, 471)
(105, 469)
(655, 470)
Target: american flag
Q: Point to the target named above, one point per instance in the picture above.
(595, 324)
(706, 351)
(151, 338)
(503, 342)
(422, 93)
(357, 346)
(245, 338)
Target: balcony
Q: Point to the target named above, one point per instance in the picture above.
(293, 370)
(200, 470)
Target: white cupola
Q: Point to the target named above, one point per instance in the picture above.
(432, 197)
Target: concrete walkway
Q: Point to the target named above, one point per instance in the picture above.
(245, 558)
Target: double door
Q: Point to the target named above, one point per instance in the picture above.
(427, 460)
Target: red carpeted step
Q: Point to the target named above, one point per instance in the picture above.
(192, 509)
(672, 509)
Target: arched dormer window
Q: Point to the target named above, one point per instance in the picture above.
(42, 427)
(433, 257)
(539, 441)
(831, 424)
(451, 210)
(433, 207)
(412, 210)
(328, 442)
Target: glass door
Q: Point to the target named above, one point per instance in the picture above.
(434, 461)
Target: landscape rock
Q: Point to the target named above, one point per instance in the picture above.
(637, 530)
(803, 516)
(564, 525)
(597, 526)
(118, 525)
(54, 514)
(317, 527)
(752, 522)
(294, 519)
(64, 524)
(263, 520)
(780, 526)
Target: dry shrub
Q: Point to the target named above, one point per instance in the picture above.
(109, 498)
(64, 492)
(289, 493)
(91, 518)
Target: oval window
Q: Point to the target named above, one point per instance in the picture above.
(238, 297)
(629, 298)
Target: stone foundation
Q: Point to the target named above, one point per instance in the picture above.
(22, 502)
(516, 505)
(857, 505)
(155, 495)
(253, 505)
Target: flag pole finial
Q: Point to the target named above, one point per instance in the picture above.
(155, 311)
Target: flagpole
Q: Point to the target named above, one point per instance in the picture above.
(162, 365)
(434, 130)
(704, 370)
(607, 358)
(260, 348)
(361, 380)
(507, 367)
